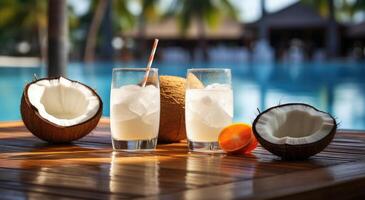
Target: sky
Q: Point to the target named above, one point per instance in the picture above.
(249, 10)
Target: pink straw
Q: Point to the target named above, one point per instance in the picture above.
(150, 60)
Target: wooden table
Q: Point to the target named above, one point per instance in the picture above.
(88, 169)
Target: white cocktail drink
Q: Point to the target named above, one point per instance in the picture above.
(135, 112)
(208, 110)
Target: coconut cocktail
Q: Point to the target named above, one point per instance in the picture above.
(135, 112)
(208, 107)
(134, 109)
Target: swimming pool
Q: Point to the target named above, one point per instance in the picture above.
(336, 87)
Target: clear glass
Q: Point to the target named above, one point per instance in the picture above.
(208, 107)
(134, 110)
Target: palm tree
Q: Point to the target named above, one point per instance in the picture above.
(263, 33)
(208, 12)
(120, 17)
(27, 20)
(100, 10)
(57, 38)
(351, 8)
(148, 13)
(30, 18)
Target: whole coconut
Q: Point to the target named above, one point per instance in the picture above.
(172, 116)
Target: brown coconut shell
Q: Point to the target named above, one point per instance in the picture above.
(50, 132)
(295, 152)
(172, 116)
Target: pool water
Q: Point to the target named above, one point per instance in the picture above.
(336, 87)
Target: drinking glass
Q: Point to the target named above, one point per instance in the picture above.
(134, 109)
(208, 107)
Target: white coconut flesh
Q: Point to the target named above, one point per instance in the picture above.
(294, 125)
(63, 102)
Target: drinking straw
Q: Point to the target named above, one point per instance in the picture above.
(150, 60)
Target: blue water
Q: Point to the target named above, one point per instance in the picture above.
(338, 87)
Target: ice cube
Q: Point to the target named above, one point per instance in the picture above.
(211, 105)
(217, 117)
(152, 106)
(212, 111)
(151, 118)
(150, 88)
(217, 86)
(131, 88)
(200, 104)
(150, 91)
(125, 94)
(137, 107)
(150, 99)
(121, 112)
(137, 100)
(206, 100)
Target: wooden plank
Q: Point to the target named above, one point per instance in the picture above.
(9, 194)
(318, 183)
(88, 169)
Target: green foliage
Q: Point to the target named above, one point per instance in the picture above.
(356, 6)
(210, 11)
(343, 8)
(149, 9)
(320, 5)
(122, 17)
(24, 20)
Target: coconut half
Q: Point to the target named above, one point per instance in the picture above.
(294, 131)
(60, 110)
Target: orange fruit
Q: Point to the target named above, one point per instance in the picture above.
(251, 146)
(237, 137)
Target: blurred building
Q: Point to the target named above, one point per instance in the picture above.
(356, 37)
(297, 26)
(297, 32)
(176, 45)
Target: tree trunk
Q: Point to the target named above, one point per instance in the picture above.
(332, 32)
(93, 31)
(57, 37)
(107, 50)
(202, 38)
(42, 38)
(141, 47)
(263, 31)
